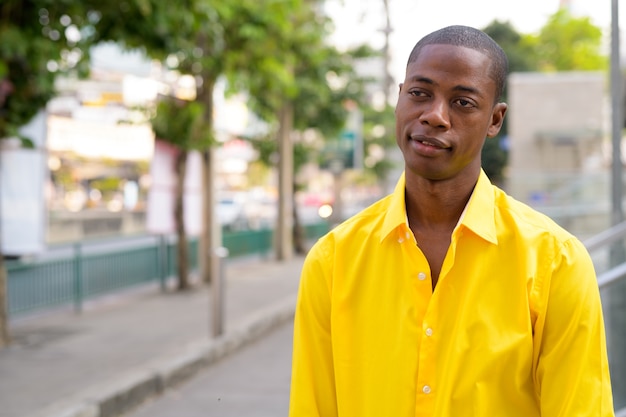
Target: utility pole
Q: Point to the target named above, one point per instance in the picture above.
(4, 320)
(389, 87)
(388, 80)
(617, 97)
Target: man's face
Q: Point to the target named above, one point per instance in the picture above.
(445, 111)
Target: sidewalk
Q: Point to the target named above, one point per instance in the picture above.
(123, 350)
(254, 382)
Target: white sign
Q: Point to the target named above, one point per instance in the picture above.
(160, 211)
(22, 199)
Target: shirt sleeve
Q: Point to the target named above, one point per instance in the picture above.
(572, 372)
(312, 378)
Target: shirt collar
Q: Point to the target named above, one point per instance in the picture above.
(478, 215)
(396, 211)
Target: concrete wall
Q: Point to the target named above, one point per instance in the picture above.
(556, 124)
(555, 120)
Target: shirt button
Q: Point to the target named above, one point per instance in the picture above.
(421, 276)
(401, 240)
(429, 332)
(426, 389)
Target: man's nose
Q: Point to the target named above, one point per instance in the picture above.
(436, 114)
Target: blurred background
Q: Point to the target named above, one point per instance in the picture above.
(168, 133)
(88, 114)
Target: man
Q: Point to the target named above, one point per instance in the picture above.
(448, 297)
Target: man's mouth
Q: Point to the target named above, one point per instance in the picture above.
(428, 141)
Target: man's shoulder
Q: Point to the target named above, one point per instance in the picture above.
(527, 219)
(353, 233)
(367, 221)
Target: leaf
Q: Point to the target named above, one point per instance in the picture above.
(26, 142)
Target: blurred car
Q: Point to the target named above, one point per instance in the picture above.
(230, 212)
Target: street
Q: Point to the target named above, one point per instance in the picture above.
(253, 382)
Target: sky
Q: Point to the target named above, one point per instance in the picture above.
(360, 21)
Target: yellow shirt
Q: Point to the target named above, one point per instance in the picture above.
(514, 327)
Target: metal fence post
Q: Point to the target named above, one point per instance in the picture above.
(162, 261)
(78, 278)
(217, 292)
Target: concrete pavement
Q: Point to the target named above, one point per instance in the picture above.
(125, 349)
(253, 383)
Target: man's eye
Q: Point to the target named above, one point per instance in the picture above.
(417, 93)
(465, 103)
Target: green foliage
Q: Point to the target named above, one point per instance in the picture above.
(494, 158)
(44, 38)
(107, 185)
(268, 70)
(378, 136)
(568, 43)
(180, 123)
(521, 58)
(565, 43)
(520, 54)
(39, 40)
(267, 148)
(295, 64)
(319, 82)
(152, 25)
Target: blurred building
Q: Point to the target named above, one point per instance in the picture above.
(559, 158)
(98, 148)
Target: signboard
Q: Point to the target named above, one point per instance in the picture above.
(160, 211)
(22, 199)
(346, 151)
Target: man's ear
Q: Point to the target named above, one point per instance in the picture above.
(497, 118)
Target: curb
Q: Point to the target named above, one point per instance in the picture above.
(113, 398)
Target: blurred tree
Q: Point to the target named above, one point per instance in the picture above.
(242, 41)
(206, 38)
(564, 43)
(42, 39)
(378, 138)
(325, 82)
(521, 58)
(328, 87)
(166, 34)
(272, 81)
(521, 55)
(568, 43)
(37, 43)
(179, 123)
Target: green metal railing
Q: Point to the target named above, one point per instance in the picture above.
(608, 252)
(82, 274)
(248, 242)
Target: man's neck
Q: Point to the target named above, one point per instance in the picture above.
(436, 205)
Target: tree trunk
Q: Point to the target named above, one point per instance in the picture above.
(179, 218)
(284, 231)
(299, 236)
(4, 319)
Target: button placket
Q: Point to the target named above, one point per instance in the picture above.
(427, 362)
